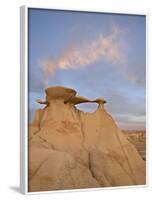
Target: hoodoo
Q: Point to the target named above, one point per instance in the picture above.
(71, 149)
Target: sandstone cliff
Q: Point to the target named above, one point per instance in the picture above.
(71, 149)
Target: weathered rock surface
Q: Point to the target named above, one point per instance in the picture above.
(138, 139)
(71, 149)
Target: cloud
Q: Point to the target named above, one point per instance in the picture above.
(137, 75)
(75, 56)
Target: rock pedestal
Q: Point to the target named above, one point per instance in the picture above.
(71, 149)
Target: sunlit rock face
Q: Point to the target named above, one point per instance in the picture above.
(72, 149)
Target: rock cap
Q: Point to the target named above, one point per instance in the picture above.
(68, 95)
(59, 92)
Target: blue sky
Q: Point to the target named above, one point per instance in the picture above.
(97, 54)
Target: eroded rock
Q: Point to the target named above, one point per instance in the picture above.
(71, 149)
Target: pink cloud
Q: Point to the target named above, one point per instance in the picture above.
(75, 56)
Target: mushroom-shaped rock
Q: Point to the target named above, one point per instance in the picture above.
(99, 101)
(71, 149)
(68, 95)
(77, 100)
(59, 92)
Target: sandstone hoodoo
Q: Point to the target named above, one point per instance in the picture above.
(71, 149)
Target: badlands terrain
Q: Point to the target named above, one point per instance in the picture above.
(72, 149)
(138, 139)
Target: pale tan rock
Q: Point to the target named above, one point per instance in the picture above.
(79, 99)
(53, 169)
(71, 149)
(138, 139)
(59, 92)
(110, 145)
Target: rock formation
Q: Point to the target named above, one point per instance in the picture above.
(71, 149)
(138, 139)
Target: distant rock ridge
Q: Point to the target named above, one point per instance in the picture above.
(71, 149)
(138, 139)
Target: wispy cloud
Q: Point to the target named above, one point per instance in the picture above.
(75, 56)
(136, 75)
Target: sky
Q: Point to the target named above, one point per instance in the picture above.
(97, 54)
